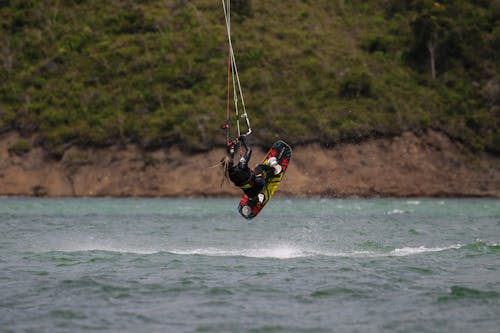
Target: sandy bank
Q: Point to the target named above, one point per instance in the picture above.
(409, 165)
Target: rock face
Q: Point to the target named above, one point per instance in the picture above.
(409, 165)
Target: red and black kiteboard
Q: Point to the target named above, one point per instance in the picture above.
(250, 208)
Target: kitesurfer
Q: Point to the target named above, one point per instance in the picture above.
(251, 181)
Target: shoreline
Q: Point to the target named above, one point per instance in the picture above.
(427, 165)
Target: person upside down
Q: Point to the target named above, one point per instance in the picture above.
(251, 181)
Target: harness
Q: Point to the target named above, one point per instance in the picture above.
(248, 183)
(251, 187)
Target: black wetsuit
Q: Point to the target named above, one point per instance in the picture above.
(250, 181)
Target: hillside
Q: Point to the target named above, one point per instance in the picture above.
(92, 74)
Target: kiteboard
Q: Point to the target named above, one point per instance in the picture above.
(251, 207)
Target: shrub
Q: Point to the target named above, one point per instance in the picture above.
(19, 148)
(377, 44)
(356, 84)
(242, 7)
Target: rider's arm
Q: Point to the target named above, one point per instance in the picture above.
(248, 153)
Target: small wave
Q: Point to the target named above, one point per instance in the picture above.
(282, 252)
(413, 202)
(278, 252)
(272, 253)
(397, 211)
(459, 292)
(103, 248)
(292, 252)
(338, 292)
(406, 251)
(481, 246)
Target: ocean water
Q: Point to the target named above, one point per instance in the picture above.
(303, 265)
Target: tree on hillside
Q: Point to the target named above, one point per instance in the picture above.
(430, 29)
(448, 34)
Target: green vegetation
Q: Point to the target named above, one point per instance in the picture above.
(153, 72)
(20, 147)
